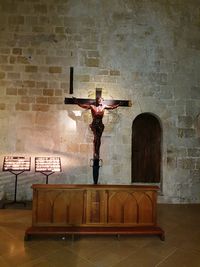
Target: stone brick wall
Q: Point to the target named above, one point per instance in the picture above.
(144, 51)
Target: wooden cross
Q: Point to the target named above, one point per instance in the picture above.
(122, 103)
(97, 126)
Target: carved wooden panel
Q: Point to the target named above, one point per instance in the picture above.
(124, 205)
(59, 208)
(94, 209)
(131, 208)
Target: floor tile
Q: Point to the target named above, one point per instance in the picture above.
(181, 258)
(181, 247)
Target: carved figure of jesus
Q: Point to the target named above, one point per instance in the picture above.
(97, 125)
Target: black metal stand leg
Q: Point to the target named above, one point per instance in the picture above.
(15, 195)
(47, 176)
(47, 179)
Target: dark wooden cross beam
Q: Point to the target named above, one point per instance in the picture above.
(122, 103)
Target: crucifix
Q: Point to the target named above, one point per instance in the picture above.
(97, 107)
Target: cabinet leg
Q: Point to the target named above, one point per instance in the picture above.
(118, 237)
(26, 237)
(162, 237)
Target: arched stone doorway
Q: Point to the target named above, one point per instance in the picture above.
(146, 149)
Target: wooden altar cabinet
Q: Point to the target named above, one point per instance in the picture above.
(94, 209)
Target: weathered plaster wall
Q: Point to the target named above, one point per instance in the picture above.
(145, 51)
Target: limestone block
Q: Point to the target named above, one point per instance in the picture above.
(186, 133)
(27, 99)
(31, 68)
(55, 100)
(186, 163)
(17, 51)
(13, 76)
(195, 174)
(195, 92)
(191, 107)
(52, 60)
(11, 91)
(197, 164)
(82, 78)
(38, 29)
(172, 162)
(185, 122)
(35, 92)
(194, 152)
(22, 91)
(84, 148)
(2, 106)
(58, 92)
(55, 69)
(42, 84)
(20, 60)
(40, 8)
(28, 83)
(48, 92)
(73, 147)
(22, 107)
(92, 62)
(114, 72)
(3, 59)
(5, 50)
(40, 107)
(2, 75)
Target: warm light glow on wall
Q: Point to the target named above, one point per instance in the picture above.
(77, 113)
(71, 124)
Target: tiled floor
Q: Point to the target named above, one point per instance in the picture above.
(180, 249)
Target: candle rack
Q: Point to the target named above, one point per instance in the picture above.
(16, 165)
(47, 165)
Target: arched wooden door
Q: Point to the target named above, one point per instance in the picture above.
(146, 149)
